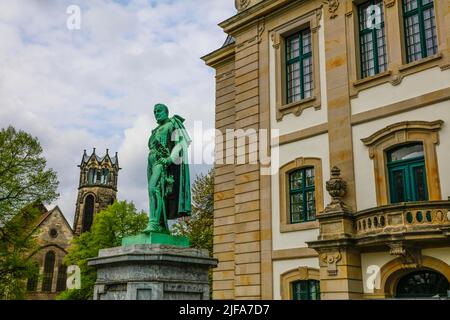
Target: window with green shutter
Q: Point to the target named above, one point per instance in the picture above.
(420, 29)
(372, 38)
(299, 70)
(302, 195)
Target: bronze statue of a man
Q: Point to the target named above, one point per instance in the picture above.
(168, 171)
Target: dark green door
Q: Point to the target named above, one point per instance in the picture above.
(407, 175)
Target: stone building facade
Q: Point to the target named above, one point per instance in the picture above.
(54, 236)
(97, 189)
(355, 97)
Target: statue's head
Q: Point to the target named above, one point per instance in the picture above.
(161, 112)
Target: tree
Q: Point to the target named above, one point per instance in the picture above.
(199, 226)
(109, 227)
(24, 182)
(17, 245)
(24, 178)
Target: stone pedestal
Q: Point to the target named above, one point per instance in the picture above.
(152, 272)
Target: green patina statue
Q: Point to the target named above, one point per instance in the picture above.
(168, 179)
(168, 171)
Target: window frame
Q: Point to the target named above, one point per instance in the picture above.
(303, 191)
(375, 47)
(309, 283)
(403, 133)
(284, 197)
(419, 12)
(278, 35)
(300, 60)
(298, 274)
(397, 68)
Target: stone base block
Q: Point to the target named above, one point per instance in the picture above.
(156, 238)
(152, 272)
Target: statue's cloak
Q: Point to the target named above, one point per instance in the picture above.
(178, 202)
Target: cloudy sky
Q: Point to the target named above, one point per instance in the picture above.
(95, 86)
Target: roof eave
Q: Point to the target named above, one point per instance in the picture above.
(219, 56)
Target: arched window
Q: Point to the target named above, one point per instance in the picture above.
(33, 280)
(49, 266)
(407, 174)
(302, 195)
(306, 290)
(91, 176)
(88, 215)
(62, 278)
(422, 284)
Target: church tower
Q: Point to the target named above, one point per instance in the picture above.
(97, 188)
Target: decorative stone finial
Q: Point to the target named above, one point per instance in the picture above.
(337, 188)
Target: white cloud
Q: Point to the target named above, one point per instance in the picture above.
(95, 87)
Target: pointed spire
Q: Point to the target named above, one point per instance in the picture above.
(107, 151)
(93, 152)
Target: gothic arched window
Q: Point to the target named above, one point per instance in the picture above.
(62, 278)
(88, 216)
(49, 266)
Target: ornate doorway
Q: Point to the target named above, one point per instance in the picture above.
(422, 284)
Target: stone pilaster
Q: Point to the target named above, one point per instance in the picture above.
(340, 261)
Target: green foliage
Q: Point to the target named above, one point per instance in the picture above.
(17, 244)
(109, 227)
(199, 227)
(24, 178)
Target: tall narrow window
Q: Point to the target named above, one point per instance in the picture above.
(407, 176)
(372, 38)
(306, 290)
(299, 72)
(49, 266)
(302, 195)
(33, 280)
(62, 278)
(88, 216)
(105, 176)
(420, 29)
(91, 176)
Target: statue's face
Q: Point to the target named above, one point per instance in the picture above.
(160, 114)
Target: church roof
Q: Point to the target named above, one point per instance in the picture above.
(114, 160)
(48, 214)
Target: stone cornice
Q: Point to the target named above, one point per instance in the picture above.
(260, 9)
(219, 56)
